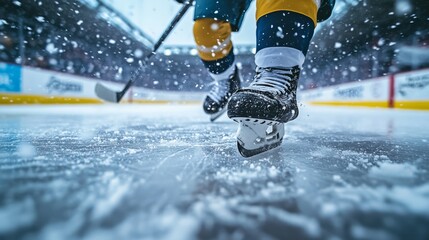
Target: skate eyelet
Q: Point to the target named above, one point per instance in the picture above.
(269, 130)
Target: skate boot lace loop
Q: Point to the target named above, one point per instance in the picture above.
(278, 81)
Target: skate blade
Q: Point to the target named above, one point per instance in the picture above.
(252, 152)
(256, 136)
(217, 115)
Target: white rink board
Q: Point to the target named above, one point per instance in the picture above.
(150, 94)
(369, 90)
(48, 83)
(412, 85)
(408, 87)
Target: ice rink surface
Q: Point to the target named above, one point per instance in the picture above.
(166, 172)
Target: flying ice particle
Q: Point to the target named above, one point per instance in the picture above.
(40, 19)
(279, 33)
(338, 44)
(214, 26)
(51, 48)
(138, 53)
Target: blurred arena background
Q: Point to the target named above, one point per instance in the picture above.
(92, 39)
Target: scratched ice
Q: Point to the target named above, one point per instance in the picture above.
(166, 172)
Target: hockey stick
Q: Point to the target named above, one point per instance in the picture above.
(113, 96)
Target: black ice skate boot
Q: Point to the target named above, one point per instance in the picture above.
(263, 108)
(218, 97)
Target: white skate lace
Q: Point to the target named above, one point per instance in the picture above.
(219, 90)
(275, 80)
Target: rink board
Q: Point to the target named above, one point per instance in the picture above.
(27, 85)
(412, 90)
(371, 93)
(408, 90)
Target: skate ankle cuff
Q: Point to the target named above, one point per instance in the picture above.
(224, 75)
(279, 57)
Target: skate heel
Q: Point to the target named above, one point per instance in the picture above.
(255, 136)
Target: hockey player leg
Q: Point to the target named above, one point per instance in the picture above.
(214, 22)
(213, 39)
(271, 97)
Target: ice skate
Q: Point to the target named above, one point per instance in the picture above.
(222, 90)
(262, 109)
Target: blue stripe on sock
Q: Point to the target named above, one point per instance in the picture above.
(284, 29)
(221, 65)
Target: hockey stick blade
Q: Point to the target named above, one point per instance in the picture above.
(106, 94)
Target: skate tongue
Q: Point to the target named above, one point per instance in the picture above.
(275, 80)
